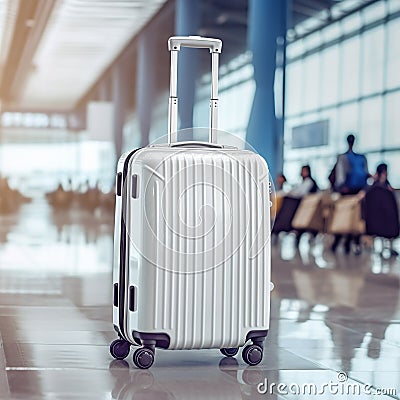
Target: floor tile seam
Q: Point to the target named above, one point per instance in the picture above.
(294, 319)
(366, 320)
(317, 363)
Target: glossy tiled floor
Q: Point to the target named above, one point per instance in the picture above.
(329, 314)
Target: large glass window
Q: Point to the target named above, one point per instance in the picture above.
(312, 82)
(351, 23)
(375, 11)
(372, 61)
(393, 54)
(374, 159)
(332, 115)
(393, 6)
(354, 82)
(393, 162)
(295, 49)
(294, 88)
(292, 172)
(370, 135)
(348, 121)
(331, 32)
(321, 167)
(55, 163)
(238, 100)
(329, 75)
(392, 120)
(350, 64)
(315, 151)
(312, 41)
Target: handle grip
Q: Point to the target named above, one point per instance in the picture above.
(176, 42)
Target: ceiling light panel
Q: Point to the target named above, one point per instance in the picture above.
(80, 41)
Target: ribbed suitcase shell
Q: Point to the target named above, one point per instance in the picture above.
(198, 250)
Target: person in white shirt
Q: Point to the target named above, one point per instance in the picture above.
(306, 186)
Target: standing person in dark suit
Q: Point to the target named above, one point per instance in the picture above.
(351, 172)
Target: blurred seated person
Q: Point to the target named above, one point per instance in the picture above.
(10, 199)
(380, 209)
(90, 199)
(280, 193)
(306, 186)
(280, 183)
(380, 177)
(60, 198)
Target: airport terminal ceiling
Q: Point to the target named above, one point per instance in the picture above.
(55, 54)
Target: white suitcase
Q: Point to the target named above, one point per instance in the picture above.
(191, 246)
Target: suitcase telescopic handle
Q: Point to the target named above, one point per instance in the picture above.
(174, 45)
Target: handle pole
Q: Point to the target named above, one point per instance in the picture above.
(174, 45)
(214, 99)
(173, 100)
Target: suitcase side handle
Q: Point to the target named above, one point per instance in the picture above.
(174, 45)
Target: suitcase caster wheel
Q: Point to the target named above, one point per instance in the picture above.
(143, 358)
(252, 354)
(230, 352)
(119, 349)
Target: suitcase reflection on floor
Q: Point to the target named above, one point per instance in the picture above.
(227, 381)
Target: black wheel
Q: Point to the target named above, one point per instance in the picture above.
(252, 354)
(119, 349)
(143, 358)
(230, 352)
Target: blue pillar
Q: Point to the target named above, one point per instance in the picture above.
(267, 28)
(187, 22)
(145, 87)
